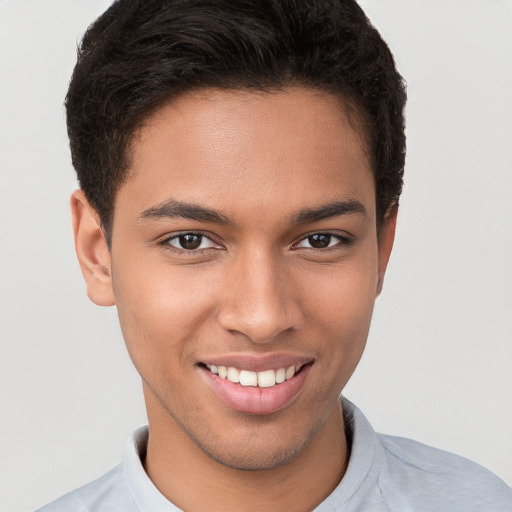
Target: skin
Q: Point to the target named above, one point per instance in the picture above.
(254, 287)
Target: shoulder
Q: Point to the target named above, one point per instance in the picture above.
(442, 480)
(106, 494)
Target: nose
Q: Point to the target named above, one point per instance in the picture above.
(260, 300)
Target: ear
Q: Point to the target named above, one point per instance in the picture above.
(385, 239)
(92, 250)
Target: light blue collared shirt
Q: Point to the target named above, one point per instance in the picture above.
(384, 474)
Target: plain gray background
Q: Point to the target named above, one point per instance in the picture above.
(438, 366)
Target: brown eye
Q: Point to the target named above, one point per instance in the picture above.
(319, 240)
(190, 242)
(324, 241)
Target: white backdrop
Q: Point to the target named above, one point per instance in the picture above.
(438, 366)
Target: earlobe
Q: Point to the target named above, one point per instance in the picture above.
(386, 240)
(92, 250)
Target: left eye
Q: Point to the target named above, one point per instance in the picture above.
(319, 241)
(190, 242)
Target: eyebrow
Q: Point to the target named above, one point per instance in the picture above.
(171, 209)
(327, 211)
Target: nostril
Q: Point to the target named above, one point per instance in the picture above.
(260, 303)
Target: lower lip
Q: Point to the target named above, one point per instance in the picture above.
(255, 400)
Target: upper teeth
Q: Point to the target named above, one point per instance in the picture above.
(264, 379)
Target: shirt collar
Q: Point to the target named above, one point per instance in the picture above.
(363, 451)
(143, 492)
(362, 470)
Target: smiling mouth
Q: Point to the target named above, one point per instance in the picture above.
(263, 379)
(257, 386)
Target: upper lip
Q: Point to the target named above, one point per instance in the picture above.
(258, 363)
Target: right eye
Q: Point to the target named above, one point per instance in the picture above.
(190, 242)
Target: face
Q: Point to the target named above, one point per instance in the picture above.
(244, 248)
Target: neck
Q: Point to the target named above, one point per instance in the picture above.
(192, 480)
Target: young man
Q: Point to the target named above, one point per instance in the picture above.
(240, 166)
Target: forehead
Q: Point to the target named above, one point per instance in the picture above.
(225, 148)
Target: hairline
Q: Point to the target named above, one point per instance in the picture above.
(356, 115)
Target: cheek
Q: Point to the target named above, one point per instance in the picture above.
(341, 308)
(160, 312)
(343, 295)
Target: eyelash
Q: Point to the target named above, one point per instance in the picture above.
(342, 240)
(166, 242)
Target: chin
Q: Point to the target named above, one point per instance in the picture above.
(244, 459)
(259, 449)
